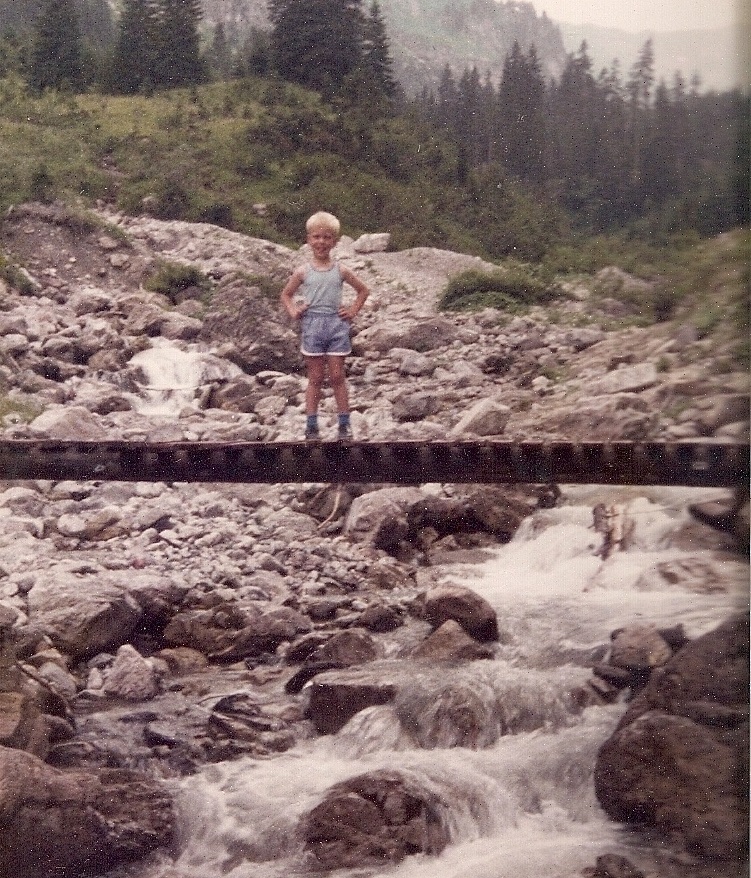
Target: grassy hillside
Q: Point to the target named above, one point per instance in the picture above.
(218, 152)
(214, 152)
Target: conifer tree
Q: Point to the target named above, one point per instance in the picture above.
(316, 43)
(376, 58)
(56, 55)
(521, 114)
(178, 45)
(134, 59)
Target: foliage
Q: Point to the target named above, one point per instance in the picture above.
(158, 46)
(14, 276)
(57, 53)
(510, 289)
(17, 411)
(613, 154)
(316, 43)
(173, 278)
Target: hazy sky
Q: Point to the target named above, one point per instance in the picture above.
(637, 15)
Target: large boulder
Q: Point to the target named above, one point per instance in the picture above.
(679, 757)
(476, 616)
(240, 314)
(336, 696)
(376, 818)
(423, 335)
(381, 517)
(83, 614)
(59, 824)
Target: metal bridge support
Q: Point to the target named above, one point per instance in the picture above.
(699, 463)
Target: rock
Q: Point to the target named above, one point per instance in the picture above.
(485, 418)
(425, 335)
(375, 242)
(639, 648)
(629, 379)
(83, 615)
(380, 618)
(451, 643)
(382, 816)
(131, 676)
(677, 766)
(71, 422)
(380, 517)
(727, 409)
(476, 616)
(415, 406)
(336, 696)
(615, 866)
(346, 648)
(75, 823)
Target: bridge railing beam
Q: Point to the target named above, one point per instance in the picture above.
(692, 463)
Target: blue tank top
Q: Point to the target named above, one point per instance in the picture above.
(322, 290)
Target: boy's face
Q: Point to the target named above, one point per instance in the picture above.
(321, 241)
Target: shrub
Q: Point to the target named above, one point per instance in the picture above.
(13, 275)
(511, 290)
(171, 279)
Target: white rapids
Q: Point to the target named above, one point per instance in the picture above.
(523, 806)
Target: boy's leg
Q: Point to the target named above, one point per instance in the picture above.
(338, 380)
(315, 368)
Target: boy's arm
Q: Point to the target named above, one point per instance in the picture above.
(349, 312)
(294, 310)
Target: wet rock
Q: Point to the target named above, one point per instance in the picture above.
(639, 648)
(678, 767)
(375, 818)
(451, 643)
(476, 616)
(75, 823)
(613, 866)
(347, 648)
(380, 618)
(336, 696)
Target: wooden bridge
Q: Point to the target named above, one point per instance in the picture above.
(693, 463)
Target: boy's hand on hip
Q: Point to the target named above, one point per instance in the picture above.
(348, 312)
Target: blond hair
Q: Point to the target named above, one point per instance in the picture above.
(323, 220)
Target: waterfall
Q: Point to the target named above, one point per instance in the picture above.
(174, 376)
(521, 802)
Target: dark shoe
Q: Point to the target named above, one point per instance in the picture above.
(345, 433)
(312, 436)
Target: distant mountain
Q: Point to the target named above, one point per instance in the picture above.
(712, 53)
(426, 35)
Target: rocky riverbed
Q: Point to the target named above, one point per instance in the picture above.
(149, 630)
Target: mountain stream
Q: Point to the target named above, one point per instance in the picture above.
(522, 804)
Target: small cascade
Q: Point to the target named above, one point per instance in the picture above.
(174, 377)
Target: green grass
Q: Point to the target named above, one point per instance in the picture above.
(213, 152)
(513, 289)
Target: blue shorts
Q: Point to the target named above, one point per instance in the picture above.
(324, 334)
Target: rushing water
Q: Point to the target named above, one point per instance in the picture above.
(174, 376)
(522, 805)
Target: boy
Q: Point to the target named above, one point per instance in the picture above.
(325, 320)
